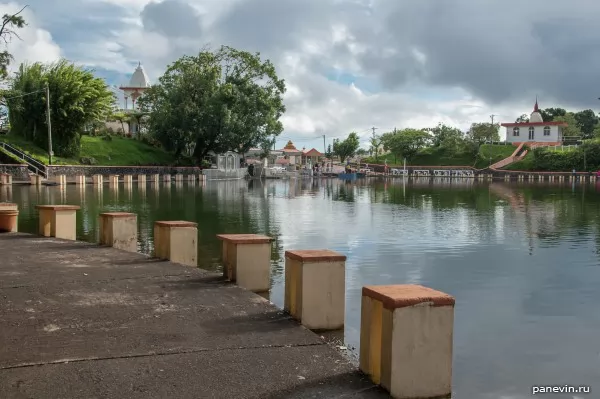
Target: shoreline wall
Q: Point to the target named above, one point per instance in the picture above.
(90, 170)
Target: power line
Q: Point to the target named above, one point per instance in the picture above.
(26, 94)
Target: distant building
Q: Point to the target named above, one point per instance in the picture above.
(138, 83)
(536, 130)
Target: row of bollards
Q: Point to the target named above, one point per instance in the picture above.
(406, 330)
(98, 179)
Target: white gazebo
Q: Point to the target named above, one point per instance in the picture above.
(138, 83)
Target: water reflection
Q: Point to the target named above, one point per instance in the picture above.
(522, 259)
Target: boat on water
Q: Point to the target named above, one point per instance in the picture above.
(347, 176)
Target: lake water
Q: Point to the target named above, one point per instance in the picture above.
(522, 260)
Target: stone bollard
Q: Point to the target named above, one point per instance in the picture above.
(61, 180)
(155, 179)
(119, 230)
(9, 217)
(5, 178)
(247, 260)
(315, 285)
(35, 180)
(128, 180)
(141, 179)
(406, 340)
(80, 180)
(178, 178)
(58, 221)
(113, 180)
(166, 178)
(97, 180)
(176, 241)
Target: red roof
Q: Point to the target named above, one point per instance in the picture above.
(313, 153)
(535, 124)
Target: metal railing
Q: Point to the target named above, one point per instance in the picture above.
(33, 164)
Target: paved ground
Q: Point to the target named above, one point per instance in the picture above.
(82, 321)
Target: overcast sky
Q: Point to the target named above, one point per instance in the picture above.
(348, 64)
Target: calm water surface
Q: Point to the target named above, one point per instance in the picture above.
(522, 261)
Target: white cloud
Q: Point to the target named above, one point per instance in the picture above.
(36, 44)
(306, 43)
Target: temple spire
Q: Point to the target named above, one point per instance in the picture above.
(535, 107)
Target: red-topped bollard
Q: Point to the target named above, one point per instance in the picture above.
(406, 340)
(315, 288)
(247, 260)
(58, 221)
(9, 215)
(176, 241)
(119, 230)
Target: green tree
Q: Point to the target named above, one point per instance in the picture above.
(548, 114)
(523, 119)
(587, 122)
(347, 148)
(375, 143)
(572, 130)
(405, 143)
(224, 100)
(120, 117)
(361, 152)
(482, 132)
(446, 136)
(77, 99)
(329, 152)
(10, 22)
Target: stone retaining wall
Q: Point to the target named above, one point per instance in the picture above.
(75, 170)
(18, 172)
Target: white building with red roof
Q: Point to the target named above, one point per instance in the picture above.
(535, 131)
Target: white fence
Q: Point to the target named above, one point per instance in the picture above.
(224, 174)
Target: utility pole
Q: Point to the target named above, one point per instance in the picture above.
(374, 128)
(49, 124)
(324, 146)
(492, 116)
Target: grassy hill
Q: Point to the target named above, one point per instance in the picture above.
(488, 153)
(119, 151)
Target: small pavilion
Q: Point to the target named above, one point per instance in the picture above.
(138, 83)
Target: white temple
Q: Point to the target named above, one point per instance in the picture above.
(138, 83)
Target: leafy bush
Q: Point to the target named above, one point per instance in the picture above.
(107, 137)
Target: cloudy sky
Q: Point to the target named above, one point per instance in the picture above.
(348, 64)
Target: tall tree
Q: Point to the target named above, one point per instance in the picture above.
(586, 121)
(224, 100)
(375, 143)
(405, 143)
(329, 152)
(445, 136)
(8, 30)
(523, 119)
(548, 114)
(482, 132)
(77, 99)
(572, 130)
(347, 148)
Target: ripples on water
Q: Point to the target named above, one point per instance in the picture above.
(521, 260)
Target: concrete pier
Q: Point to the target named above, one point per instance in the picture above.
(247, 260)
(58, 221)
(141, 179)
(406, 340)
(92, 321)
(119, 230)
(315, 288)
(97, 180)
(176, 241)
(35, 180)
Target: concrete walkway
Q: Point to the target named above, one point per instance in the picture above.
(82, 321)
